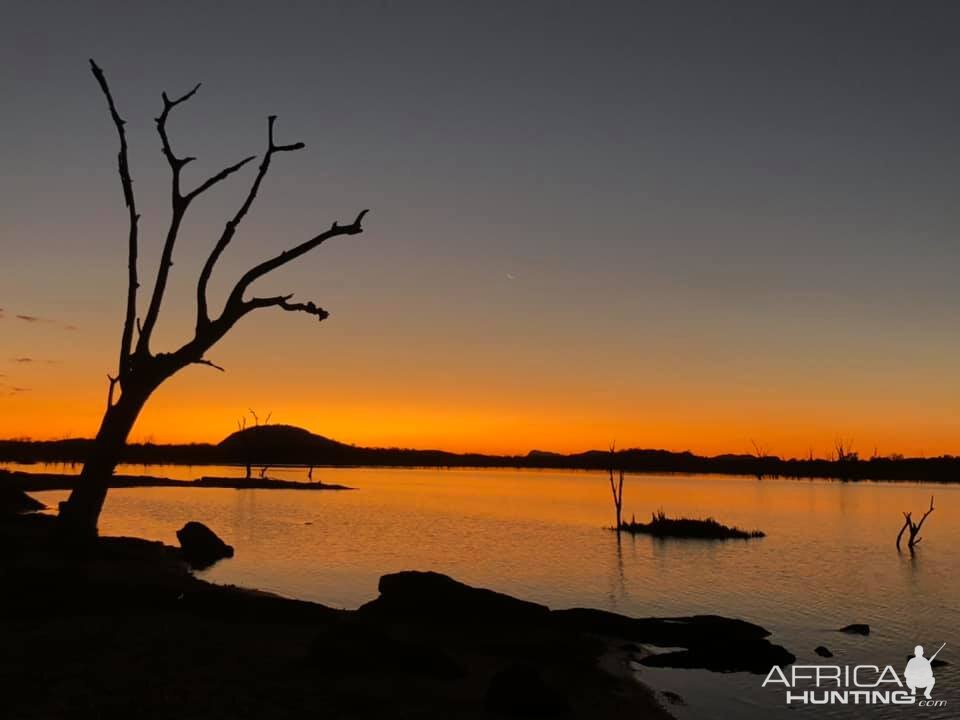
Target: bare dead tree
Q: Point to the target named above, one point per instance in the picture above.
(616, 489)
(914, 528)
(140, 371)
(760, 453)
(844, 452)
(241, 426)
(245, 440)
(256, 418)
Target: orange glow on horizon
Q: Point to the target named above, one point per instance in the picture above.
(180, 415)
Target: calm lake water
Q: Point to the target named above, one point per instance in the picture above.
(829, 558)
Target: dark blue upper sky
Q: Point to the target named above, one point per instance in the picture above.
(742, 202)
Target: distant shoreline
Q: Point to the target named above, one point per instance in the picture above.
(285, 446)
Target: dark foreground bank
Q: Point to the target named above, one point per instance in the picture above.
(121, 629)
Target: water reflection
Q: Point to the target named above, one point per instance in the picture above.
(829, 558)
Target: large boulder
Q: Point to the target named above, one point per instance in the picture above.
(708, 642)
(415, 594)
(200, 545)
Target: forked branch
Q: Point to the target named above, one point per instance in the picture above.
(180, 202)
(283, 302)
(258, 271)
(230, 228)
(914, 528)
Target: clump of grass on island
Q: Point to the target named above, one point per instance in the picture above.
(707, 528)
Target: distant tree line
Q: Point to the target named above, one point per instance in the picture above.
(278, 445)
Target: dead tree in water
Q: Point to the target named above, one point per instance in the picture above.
(241, 426)
(760, 454)
(914, 528)
(140, 371)
(245, 440)
(616, 488)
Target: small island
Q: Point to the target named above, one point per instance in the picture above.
(699, 528)
(17, 480)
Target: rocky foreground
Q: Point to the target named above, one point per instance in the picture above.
(122, 629)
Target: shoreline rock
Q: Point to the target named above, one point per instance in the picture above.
(132, 610)
(855, 629)
(201, 546)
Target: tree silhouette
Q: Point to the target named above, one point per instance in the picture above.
(616, 489)
(140, 371)
(913, 527)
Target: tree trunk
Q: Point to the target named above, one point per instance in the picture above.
(79, 514)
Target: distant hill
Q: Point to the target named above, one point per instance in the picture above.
(288, 445)
(269, 443)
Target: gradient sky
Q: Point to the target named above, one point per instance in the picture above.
(679, 225)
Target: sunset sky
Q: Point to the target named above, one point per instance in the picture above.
(672, 224)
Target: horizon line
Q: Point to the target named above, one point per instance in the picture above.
(852, 454)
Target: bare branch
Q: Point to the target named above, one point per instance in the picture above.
(113, 383)
(126, 182)
(925, 514)
(222, 175)
(258, 271)
(179, 205)
(175, 163)
(204, 361)
(231, 227)
(759, 451)
(283, 302)
(170, 104)
(906, 524)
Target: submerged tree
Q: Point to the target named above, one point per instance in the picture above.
(140, 371)
(245, 440)
(913, 527)
(760, 454)
(616, 489)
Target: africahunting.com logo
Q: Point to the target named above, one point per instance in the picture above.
(859, 684)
